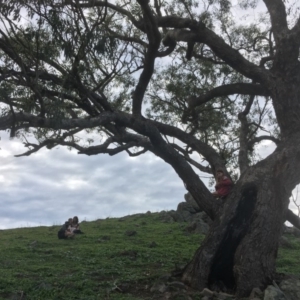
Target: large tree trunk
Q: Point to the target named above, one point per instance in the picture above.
(239, 253)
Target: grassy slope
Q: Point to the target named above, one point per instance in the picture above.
(34, 264)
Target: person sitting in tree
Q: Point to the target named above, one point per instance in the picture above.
(223, 185)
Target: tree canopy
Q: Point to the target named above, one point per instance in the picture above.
(182, 79)
(200, 84)
(78, 60)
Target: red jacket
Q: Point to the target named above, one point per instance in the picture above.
(224, 186)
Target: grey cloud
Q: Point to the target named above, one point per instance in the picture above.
(48, 187)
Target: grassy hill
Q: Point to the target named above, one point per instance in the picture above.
(119, 258)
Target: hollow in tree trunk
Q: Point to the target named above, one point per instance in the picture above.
(239, 252)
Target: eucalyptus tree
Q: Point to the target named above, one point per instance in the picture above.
(189, 81)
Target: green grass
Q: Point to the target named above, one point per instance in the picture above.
(35, 264)
(288, 258)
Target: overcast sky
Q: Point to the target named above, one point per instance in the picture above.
(50, 186)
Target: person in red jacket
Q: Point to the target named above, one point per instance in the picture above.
(223, 185)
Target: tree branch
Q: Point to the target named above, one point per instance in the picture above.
(244, 130)
(191, 180)
(287, 42)
(209, 153)
(107, 118)
(209, 59)
(226, 90)
(130, 140)
(293, 219)
(144, 127)
(258, 139)
(127, 38)
(82, 103)
(200, 34)
(296, 31)
(154, 38)
(276, 9)
(117, 8)
(190, 160)
(265, 59)
(171, 44)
